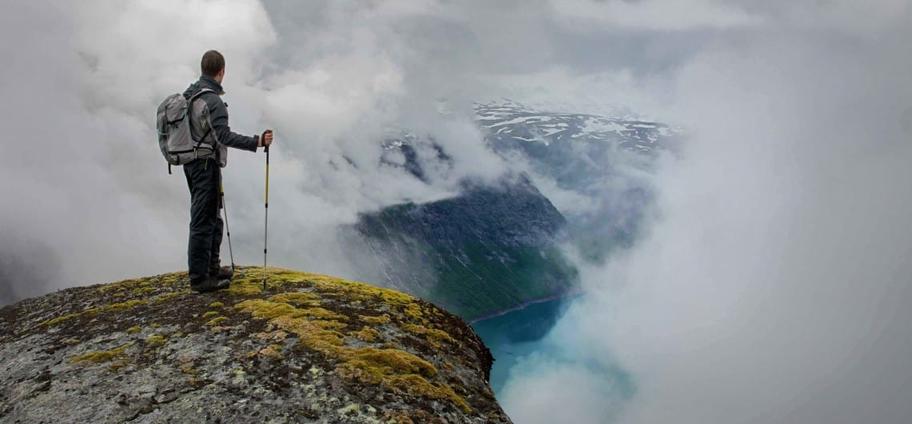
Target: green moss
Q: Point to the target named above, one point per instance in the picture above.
(116, 307)
(413, 311)
(250, 283)
(316, 328)
(297, 298)
(433, 335)
(320, 313)
(376, 320)
(265, 309)
(357, 291)
(162, 298)
(245, 285)
(313, 334)
(366, 334)
(55, 321)
(155, 340)
(119, 285)
(296, 306)
(216, 321)
(400, 371)
(418, 386)
(139, 291)
(268, 309)
(100, 356)
(388, 362)
(91, 312)
(285, 277)
(329, 324)
(316, 334)
(353, 291)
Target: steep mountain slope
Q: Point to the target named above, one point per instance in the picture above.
(490, 248)
(310, 348)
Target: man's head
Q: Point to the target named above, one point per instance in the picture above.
(213, 65)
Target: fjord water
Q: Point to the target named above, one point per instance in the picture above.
(518, 333)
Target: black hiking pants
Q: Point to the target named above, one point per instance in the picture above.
(204, 180)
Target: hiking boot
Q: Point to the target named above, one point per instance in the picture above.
(223, 273)
(210, 284)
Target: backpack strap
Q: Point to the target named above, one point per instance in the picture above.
(199, 93)
(190, 112)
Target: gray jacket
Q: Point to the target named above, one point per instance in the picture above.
(218, 116)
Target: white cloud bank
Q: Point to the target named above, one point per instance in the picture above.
(776, 281)
(81, 87)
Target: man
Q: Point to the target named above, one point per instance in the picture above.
(204, 178)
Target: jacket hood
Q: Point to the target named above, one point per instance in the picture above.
(203, 82)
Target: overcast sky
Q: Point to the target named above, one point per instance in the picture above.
(773, 285)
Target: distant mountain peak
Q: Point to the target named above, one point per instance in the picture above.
(513, 120)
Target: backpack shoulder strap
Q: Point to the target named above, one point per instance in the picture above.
(190, 109)
(199, 93)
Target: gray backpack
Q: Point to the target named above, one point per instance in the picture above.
(178, 120)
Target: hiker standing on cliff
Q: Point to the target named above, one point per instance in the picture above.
(204, 178)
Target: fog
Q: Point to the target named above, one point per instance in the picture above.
(772, 284)
(79, 97)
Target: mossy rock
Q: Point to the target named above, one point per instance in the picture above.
(307, 348)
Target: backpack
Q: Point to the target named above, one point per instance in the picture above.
(176, 131)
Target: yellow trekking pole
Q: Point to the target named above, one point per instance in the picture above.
(266, 222)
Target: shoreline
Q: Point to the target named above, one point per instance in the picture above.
(525, 304)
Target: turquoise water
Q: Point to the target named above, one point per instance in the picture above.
(529, 342)
(517, 334)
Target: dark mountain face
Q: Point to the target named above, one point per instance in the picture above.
(490, 248)
(512, 214)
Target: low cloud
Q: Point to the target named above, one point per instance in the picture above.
(773, 285)
(655, 15)
(78, 105)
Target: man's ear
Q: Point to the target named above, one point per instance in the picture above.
(221, 74)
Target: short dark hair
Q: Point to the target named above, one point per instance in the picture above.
(213, 62)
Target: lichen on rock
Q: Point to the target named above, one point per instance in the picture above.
(308, 348)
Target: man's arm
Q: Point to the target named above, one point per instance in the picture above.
(218, 115)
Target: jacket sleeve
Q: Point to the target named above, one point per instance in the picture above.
(218, 115)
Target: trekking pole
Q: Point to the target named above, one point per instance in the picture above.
(266, 221)
(227, 227)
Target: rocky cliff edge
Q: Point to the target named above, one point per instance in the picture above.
(310, 348)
